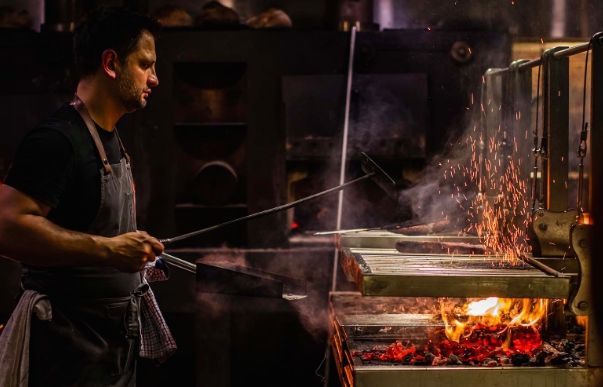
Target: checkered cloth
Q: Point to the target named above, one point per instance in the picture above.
(156, 340)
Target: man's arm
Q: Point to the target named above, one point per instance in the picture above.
(27, 236)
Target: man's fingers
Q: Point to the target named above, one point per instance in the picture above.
(155, 245)
(153, 242)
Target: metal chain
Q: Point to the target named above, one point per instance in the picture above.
(537, 150)
(582, 145)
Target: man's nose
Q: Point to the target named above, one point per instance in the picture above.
(153, 80)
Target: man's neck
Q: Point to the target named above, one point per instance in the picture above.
(100, 103)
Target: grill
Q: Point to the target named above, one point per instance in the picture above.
(395, 328)
(398, 301)
(386, 272)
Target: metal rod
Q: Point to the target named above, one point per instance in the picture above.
(542, 266)
(268, 211)
(344, 151)
(524, 66)
(344, 148)
(179, 263)
(346, 126)
(580, 48)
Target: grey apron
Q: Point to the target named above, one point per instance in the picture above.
(93, 337)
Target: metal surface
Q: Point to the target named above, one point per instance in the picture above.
(596, 101)
(596, 123)
(246, 281)
(386, 272)
(378, 239)
(552, 230)
(581, 302)
(581, 241)
(556, 128)
(365, 376)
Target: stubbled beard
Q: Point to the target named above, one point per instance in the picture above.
(130, 96)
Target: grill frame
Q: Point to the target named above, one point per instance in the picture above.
(411, 275)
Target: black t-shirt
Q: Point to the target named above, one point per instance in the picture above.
(58, 165)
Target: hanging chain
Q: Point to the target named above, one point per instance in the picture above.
(537, 149)
(581, 155)
(582, 146)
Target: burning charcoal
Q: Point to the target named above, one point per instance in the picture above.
(569, 346)
(559, 344)
(560, 359)
(504, 360)
(489, 362)
(538, 359)
(439, 360)
(454, 360)
(429, 358)
(519, 359)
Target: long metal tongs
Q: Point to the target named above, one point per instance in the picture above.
(179, 263)
(369, 167)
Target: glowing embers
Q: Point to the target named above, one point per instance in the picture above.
(487, 332)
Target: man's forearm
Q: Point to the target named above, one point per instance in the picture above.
(34, 240)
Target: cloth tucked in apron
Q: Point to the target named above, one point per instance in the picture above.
(14, 341)
(93, 337)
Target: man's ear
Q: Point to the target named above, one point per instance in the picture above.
(110, 63)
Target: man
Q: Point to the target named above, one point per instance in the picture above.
(67, 213)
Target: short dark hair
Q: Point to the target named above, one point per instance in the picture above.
(108, 28)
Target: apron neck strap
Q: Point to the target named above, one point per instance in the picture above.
(122, 147)
(78, 104)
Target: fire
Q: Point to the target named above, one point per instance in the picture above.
(585, 218)
(489, 306)
(500, 316)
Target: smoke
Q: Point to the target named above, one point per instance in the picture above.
(302, 272)
(445, 189)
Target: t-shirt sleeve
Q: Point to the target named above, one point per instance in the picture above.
(43, 166)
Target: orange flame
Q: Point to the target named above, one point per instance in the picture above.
(494, 312)
(585, 218)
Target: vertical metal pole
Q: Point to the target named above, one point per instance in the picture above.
(346, 125)
(344, 152)
(556, 129)
(595, 321)
(344, 148)
(596, 118)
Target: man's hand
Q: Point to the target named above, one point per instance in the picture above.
(130, 252)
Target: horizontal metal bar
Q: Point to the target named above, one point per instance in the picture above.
(391, 375)
(572, 50)
(578, 49)
(524, 66)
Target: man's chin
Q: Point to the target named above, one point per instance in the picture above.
(131, 107)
